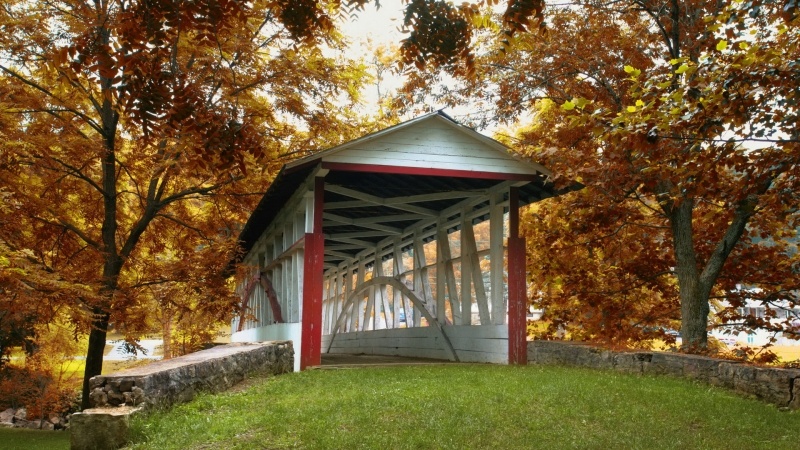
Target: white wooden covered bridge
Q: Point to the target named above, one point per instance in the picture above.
(403, 242)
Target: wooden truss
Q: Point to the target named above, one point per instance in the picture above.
(409, 267)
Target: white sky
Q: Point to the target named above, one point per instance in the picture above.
(368, 30)
(372, 28)
(380, 25)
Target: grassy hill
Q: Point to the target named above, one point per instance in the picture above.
(470, 406)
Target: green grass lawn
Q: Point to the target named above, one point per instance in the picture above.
(470, 407)
(21, 439)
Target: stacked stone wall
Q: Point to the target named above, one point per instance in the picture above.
(178, 380)
(780, 387)
(115, 397)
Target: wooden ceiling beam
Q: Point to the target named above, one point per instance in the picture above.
(375, 200)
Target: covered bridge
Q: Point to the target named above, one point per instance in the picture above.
(403, 242)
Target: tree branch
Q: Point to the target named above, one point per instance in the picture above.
(41, 89)
(197, 191)
(71, 227)
(186, 225)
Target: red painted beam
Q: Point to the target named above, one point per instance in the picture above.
(311, 340)
(517, 292)
(376, 168)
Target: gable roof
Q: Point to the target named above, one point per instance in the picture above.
(436, 151)
(439, 126)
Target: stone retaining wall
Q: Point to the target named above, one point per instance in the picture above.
(116, 396)
(777, 386)
(177, 380)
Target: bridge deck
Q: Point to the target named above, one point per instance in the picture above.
(346, 360)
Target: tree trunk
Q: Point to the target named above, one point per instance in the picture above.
(94, 354)
(694, 296)
(166, 333)
(695, 286)
(694, 318)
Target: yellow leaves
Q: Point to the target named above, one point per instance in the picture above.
(632, 71)
(638, 106)
(577, 102)
(484, 21)
(683, 68)
(580, 102)
(722, 45)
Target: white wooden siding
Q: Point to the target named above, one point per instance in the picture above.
(275, 332)
(485, 343)
(432, 145)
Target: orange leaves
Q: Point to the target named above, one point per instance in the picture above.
(655, 113)
(600, 273)
(439, 35)
(519, 15)
(126, 137)
(304, 19)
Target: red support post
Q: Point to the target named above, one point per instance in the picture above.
(311, 340)
(517, 292)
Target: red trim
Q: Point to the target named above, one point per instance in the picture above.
(517, 295)
(311, 341)
(375, 168)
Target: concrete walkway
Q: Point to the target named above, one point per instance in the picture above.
(190, 359)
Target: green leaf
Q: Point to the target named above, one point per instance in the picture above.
(722, 45)
(631, 109)
(568, 106)
(683, 68)
(580, 102)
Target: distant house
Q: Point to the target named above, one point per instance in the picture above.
(370, 247)
(783, 311)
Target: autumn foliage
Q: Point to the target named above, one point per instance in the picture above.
(136, 135)
(134, 138)
(680, 119)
